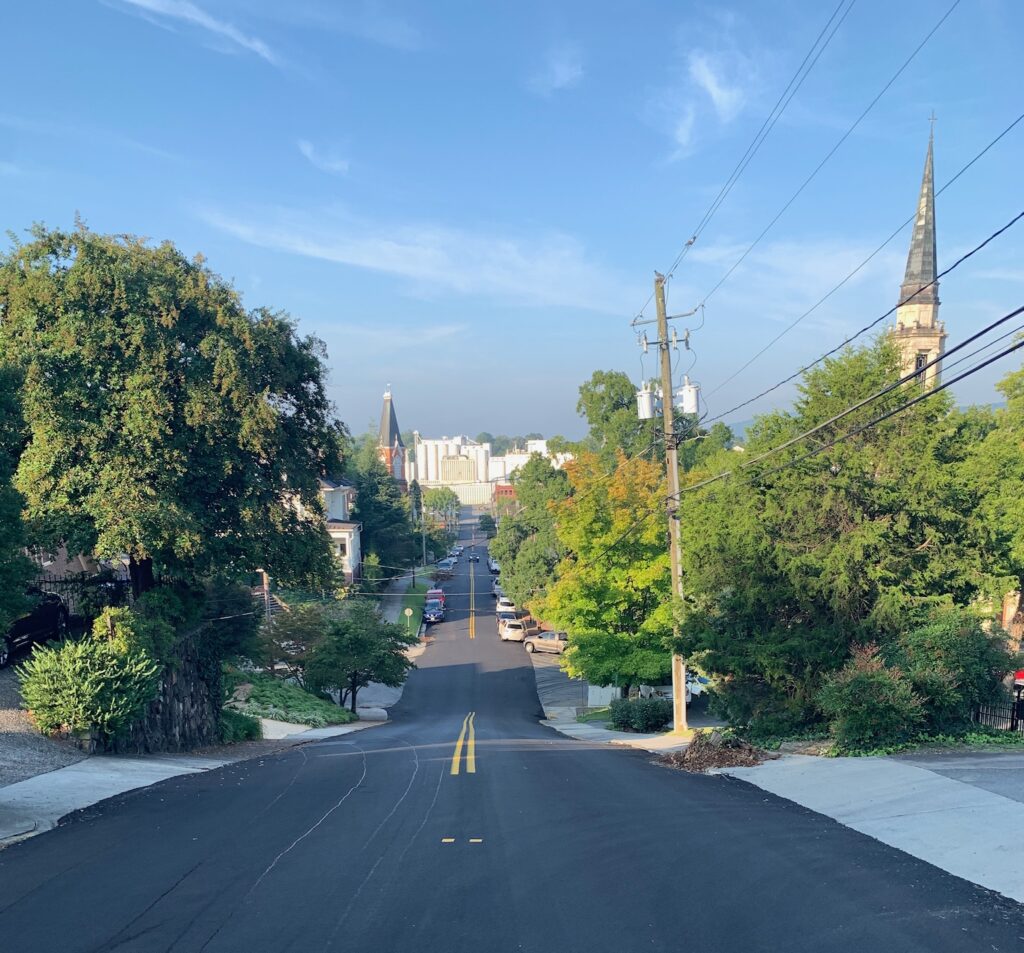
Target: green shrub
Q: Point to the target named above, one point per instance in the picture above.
(88, 686)
(273, 697)
(235, 727)
(954, 665)
(643, 714)
(870, 705)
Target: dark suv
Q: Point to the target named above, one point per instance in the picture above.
(46, 620)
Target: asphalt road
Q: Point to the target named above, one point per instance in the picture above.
(371, 843)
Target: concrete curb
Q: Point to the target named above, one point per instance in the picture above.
(580, 731)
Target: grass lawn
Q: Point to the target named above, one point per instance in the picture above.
(414, 599)
(598, 714)
(273, 697)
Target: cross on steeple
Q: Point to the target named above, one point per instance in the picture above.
(932, 119)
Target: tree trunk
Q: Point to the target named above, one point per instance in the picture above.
(352, 696)
(141, 573)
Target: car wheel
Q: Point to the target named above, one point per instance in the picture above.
(530, 648)
(5, 653)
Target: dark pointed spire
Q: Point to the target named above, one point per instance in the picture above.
(390, 435)
(921, 260)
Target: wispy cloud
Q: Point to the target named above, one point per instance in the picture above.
(683, 132)
(708, 73)
(76, 131)
(545, 269)
(562, 69)
(363, 19)
(710, 85)
(325, 162)
(391, 337)
(187, 12)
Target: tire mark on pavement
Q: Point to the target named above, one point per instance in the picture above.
(401, 857)
(298, 840)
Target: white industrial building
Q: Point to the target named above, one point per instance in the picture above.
(468, 467)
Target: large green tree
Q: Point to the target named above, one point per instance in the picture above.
(441, 503)
(612, 592)
(387, 528)
(790, 563)
(14, 567)
(356, 647)
(164, 420)
(527, 544)
(608, 403)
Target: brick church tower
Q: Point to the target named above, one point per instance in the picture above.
(389, 444)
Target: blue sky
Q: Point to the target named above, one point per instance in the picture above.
(468, 200)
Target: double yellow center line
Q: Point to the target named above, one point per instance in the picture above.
(472, 598)
(467, 737)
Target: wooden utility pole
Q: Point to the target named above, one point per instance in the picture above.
(672, 506)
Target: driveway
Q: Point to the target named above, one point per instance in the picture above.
(24, 752)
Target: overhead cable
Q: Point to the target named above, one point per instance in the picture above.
(851, 274)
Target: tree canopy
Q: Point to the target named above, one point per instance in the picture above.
(163, 419)
(14, 567)
(356, 647)
(526, 543)
(791, 564)
(612, 589)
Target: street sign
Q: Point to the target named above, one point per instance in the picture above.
(408, 612)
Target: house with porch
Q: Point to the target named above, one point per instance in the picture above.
(338, 498)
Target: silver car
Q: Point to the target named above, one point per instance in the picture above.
(547, 642)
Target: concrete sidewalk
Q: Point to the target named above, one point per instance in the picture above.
(959, 827)
(37, 804)
(562, 698)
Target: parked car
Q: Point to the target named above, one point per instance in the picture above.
(437, 595)
(505, 605)
(503, 617)
(496, 589)
(445, 568)
(458, 550)
(453, 556)
(493, 566)
(516, 630)
(695, 685)
(433, 611)
(47, 619)
(547, 642)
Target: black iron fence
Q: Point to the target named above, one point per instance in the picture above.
(86, 594)
(1006, 716)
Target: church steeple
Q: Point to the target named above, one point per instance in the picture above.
(919, 334)
(921, 259)
(390, 447)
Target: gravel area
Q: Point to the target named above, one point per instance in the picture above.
(24, 752)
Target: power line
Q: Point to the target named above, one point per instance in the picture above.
(830, 153)
(902, 407)
(766, 127)
(761, 135)
(873, 397)
(836, 288)
(660, 502)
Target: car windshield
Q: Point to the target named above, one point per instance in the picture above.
(433, 604)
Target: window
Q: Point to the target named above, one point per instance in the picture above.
(342, 549)
(920, 360)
